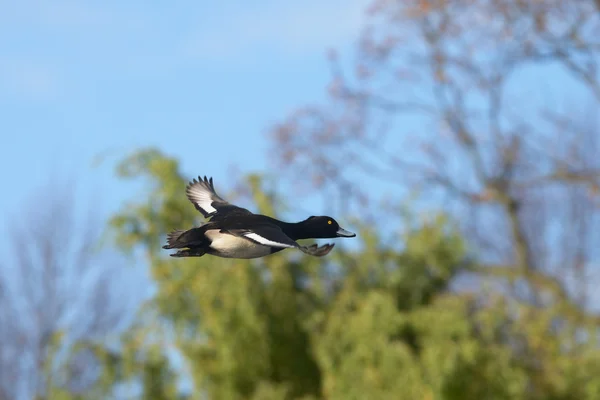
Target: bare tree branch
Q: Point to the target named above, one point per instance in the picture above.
(442, 77)
(54, 286)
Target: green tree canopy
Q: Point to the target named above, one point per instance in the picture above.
(378, 321)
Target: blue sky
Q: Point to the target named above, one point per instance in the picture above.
(202, 81)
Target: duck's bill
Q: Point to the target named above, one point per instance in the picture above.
(344, 233)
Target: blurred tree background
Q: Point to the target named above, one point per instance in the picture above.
(473, 279)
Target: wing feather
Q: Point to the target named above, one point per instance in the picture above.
(201, 192)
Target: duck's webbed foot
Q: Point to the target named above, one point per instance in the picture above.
(316, 250)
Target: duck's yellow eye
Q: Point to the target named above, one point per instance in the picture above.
(329, 222)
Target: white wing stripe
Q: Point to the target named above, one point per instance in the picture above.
(259, 239)
(202, 198)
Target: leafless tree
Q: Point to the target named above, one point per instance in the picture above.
(440, 102)
(56, 287)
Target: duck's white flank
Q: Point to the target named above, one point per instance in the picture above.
(230, 246)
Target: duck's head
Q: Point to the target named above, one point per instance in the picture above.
(323, 227)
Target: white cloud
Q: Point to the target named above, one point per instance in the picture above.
(291, 28)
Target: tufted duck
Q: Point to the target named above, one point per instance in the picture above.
(235, 232)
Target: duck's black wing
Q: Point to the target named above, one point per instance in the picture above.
(202, 194)
(272, 236)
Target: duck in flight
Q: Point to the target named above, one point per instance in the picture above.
(235, 232)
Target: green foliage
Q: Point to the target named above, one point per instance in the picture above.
(377, 323)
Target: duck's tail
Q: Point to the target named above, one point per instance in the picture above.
(173, 239)
(179, 239)
(191, 242)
